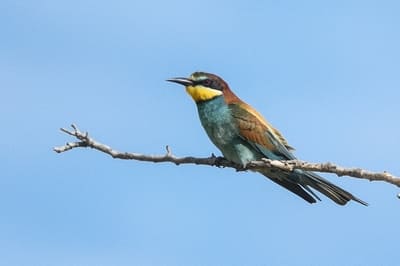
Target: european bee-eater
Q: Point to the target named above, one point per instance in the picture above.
(243, 135)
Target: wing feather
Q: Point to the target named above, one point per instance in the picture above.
(258, 132)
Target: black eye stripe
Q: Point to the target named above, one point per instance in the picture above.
(209, 83)
(205, 82)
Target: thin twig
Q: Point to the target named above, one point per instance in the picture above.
(86, 141)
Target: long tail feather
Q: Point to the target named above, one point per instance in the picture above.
(296, 189)
(335, 193)
(300, 183)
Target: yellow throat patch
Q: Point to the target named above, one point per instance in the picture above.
(200, 93)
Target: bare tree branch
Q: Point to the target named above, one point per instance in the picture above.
(290, 165)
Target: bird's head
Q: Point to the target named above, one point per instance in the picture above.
(205, 86)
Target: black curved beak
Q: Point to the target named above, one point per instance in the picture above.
(182, 81)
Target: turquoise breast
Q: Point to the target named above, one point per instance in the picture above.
(216, 119)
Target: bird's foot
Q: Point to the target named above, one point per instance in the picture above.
(219, 161)
(241, 167)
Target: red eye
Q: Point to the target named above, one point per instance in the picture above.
(207, 82)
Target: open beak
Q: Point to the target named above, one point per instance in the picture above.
(182, 81)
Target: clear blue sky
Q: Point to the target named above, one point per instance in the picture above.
(326, 73)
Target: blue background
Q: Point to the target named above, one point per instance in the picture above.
(326, 73)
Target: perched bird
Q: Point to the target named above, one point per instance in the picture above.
(243, 135)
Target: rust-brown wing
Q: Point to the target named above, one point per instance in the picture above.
(259, 133)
